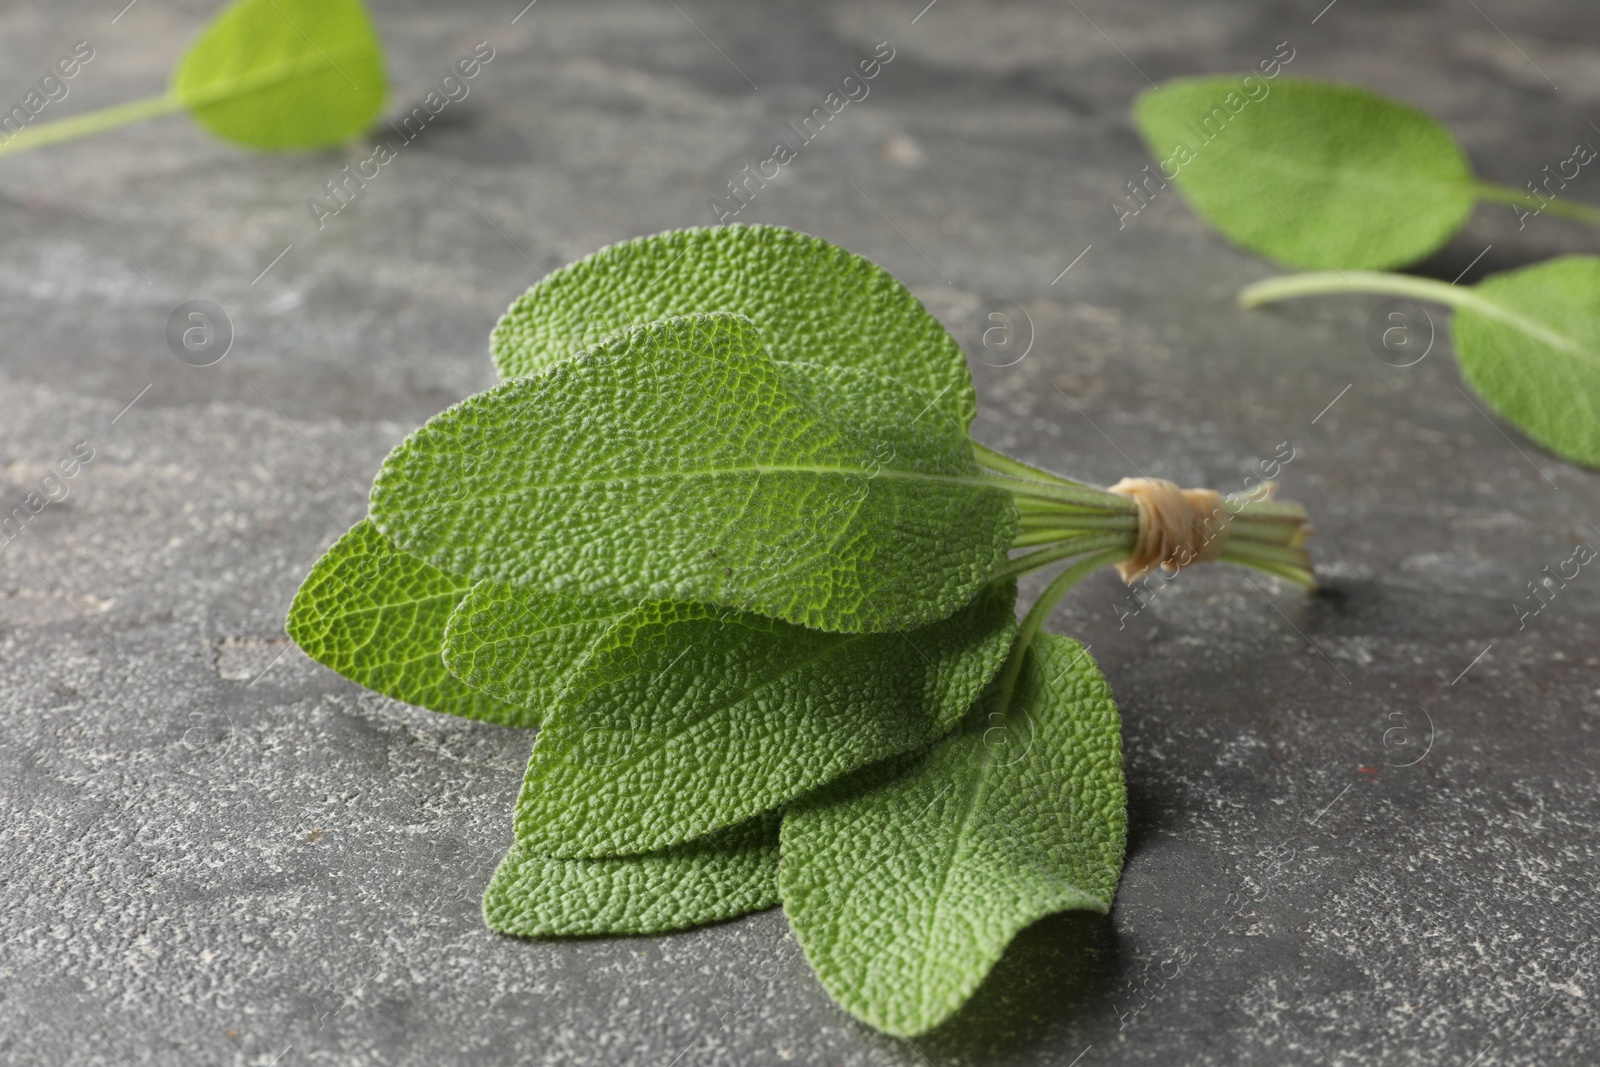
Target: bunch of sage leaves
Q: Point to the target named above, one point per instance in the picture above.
(722, 535)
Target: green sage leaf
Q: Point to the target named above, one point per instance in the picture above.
(813, 301)
(521, 645)
(678, 462)
(1312, 174)
(728, 873)
(377, 616)
(687, 718)
(904, 883)
(1529, 341)
(284, 73)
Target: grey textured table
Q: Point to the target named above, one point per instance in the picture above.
(215, 851)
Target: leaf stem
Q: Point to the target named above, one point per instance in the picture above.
(1025, 480)
(1075, 523)
(91, 122)
(1041, 610)
(1571, 209)
(1053, 509)
(1004, 464)
(1062, 492)
(1245, 551)
(1120, 544)
(1029, 537)
(1368, 281)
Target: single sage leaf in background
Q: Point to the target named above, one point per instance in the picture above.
(905, 882)
(675, 462)
(728, 873)
(284, 73)
(1311, 174)
(689, 718)
(813, 302)
(377, 616)
(1532, 348)
(270, 74)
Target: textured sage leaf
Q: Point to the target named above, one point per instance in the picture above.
(521, 644)
(1529, 341)
(813, 301)
(905, 882)
(687, 718)
(284, 73)
(1312, 174)
(377, 616)
(678, 462)
(728, 873)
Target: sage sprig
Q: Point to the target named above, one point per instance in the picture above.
(1528, 340)
(724, 536)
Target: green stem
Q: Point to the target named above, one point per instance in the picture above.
(1047, 486)
(1041, 610)
(1571, 209)
(91, 122)
(1242, 551)
(1406, 285)
(999, 461)
(1119, 544)
(1068, 524)
(1054, 509)
(1028, 538)
(1063, 492)
(1238, 531)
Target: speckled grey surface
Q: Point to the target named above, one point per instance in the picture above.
(205, 860)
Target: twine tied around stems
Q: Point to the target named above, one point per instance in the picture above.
(1177, 527)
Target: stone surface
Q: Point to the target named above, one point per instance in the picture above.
(215, 851)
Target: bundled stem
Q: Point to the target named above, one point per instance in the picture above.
(1259, 532)
(1067, 520)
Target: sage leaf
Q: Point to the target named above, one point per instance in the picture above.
(688, 718)
(726, 874)
(521, 644)
(814, 302)
(377, 616)
(284, 73)
(905, 882)
(1528, 340)
(1309, 173)
(271, 74)
(677, 462)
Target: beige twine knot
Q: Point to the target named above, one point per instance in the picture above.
(1177, 527)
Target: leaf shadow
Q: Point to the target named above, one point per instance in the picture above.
(1054, 973)
(1145, 809)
